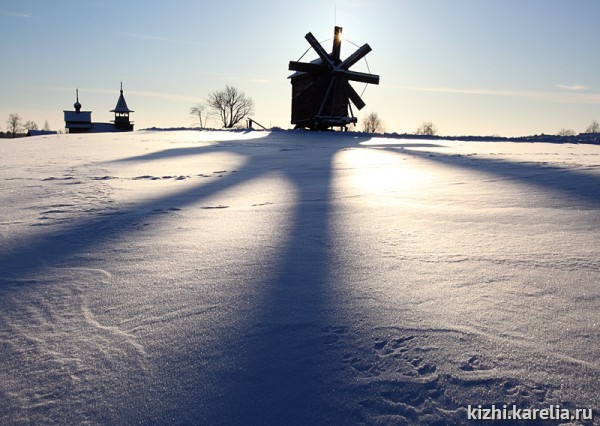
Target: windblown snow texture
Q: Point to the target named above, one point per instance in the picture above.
(294, 278)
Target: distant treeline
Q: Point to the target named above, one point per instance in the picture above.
(6, 135)
(591, 138)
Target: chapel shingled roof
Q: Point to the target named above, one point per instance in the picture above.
(121, 104)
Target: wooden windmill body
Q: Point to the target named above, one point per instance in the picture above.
(321, 90)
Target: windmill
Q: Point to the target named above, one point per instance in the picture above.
(321, 90)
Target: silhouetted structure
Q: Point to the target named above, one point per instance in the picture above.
(78, 121)
(321, 90)
(122, 114)
(41, 132)
(81, 121)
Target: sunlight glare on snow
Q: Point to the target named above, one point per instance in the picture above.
(378, 173)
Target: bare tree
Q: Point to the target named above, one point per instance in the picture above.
(46, 126)
(231, 105)
(427, 128)
(14, 124)
(566, 132)
(372, 123)
(201, 112)
(594, 127)
(30, 125)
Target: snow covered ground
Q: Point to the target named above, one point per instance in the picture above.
(188, 277)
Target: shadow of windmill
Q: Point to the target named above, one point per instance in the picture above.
(280, 374)
(277, 368)
(285, 375)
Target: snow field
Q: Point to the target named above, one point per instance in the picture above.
(294, 277)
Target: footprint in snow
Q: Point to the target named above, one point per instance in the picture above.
(333, 334)
(167, 210)
(214, 207)
(394, 356)
(473, 364)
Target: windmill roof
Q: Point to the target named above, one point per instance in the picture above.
(121, 105)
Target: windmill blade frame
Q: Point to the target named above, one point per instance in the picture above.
(354, 97)
(314, 43)
(356, 56)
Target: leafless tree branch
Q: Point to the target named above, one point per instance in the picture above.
(231, 105)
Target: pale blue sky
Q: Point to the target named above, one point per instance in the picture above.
(504, 67)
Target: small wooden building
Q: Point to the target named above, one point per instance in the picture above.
(78, 121)
(122, 114)
(81, 121)
(41, 132)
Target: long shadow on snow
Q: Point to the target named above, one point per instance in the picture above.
(49, 249)
(52, 248)
(580, 187)
(281, 375)
(283, 378)
(284, 375)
